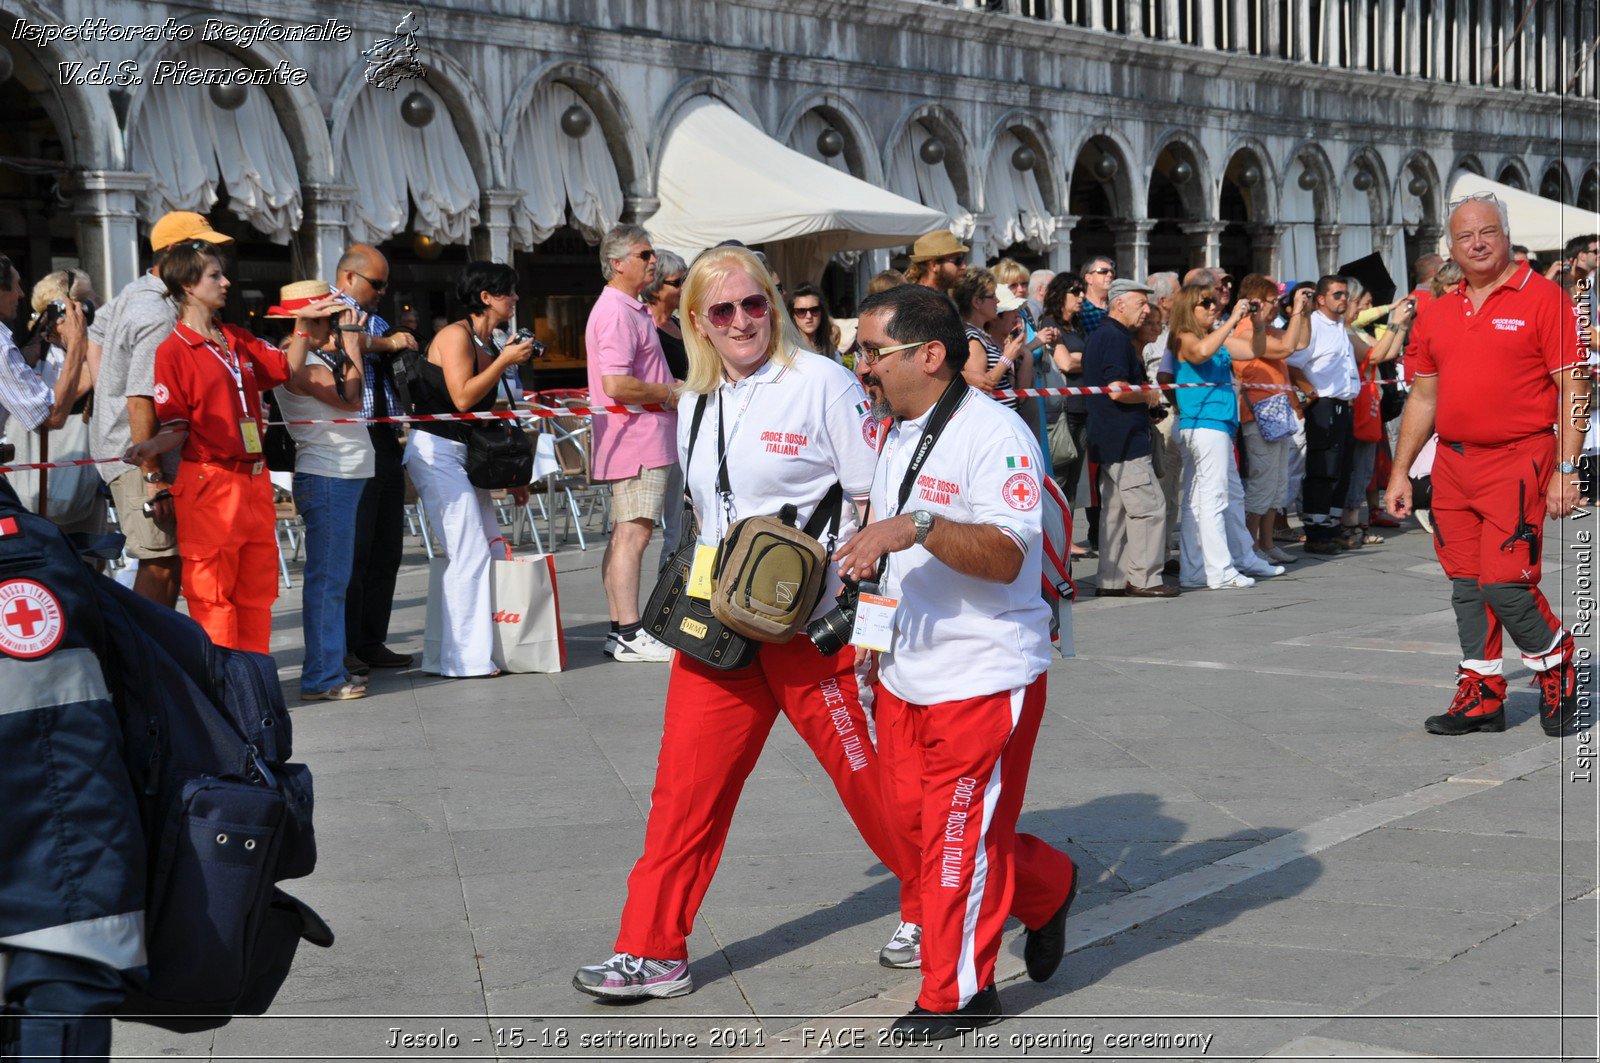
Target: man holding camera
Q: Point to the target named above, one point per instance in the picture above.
(23, 393)
(954, 546)
(1498, 360)
(127, 332)
(363, 277)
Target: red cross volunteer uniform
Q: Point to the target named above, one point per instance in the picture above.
(222, 493)
(961, 694)
(1497, 401)
(791, 432)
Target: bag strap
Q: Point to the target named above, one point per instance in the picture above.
(694, 432)
(828, 515)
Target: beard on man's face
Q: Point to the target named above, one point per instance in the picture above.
(880, 406)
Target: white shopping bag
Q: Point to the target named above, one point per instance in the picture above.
(527, 614)
(545, 462)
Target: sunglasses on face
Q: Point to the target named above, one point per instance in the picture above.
(377, 286)
(871, 356)
(1076, 291)
(1338, 295)
(755, 307)
(1209, 304)
(676, 282)
(808, 311)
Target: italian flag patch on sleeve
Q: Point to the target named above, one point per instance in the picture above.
(863, 408)
(1019, 462)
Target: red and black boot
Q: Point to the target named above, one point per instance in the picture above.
(1558, 693)
(1479, 705)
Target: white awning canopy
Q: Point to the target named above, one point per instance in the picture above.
(1537, 223)
(721, 178)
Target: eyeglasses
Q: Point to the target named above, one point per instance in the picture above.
(1338, 295)
(1102, 269)
(1078, 291)
(377, 286)
(755, 308)
(951, 260)
(1208, 303)
(871, 356)
(808, 311)
(644, 256)
(676, 282)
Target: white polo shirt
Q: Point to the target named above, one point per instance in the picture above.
(1330, 361)
(957, 636)
(791, 432)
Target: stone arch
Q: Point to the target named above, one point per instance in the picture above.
(718, 89)
(1199, 193)
(1513, 167)
(1421, 164)
(944, 123)
(1033, 133)
(1312, 157)
(298, 110)
(469, 113)
(1555, 174)
(864, 162)
(1589, 189)
(1261, 197)
(1128, 188)
(1468, 162)
(611, 110)
(91, 135)
(1368, 159)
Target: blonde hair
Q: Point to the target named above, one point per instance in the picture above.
(1008, 271)
(61, 284)
(707, 273)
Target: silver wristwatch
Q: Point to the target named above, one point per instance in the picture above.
(924, 524)
(1566, 468)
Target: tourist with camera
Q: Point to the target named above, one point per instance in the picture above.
(954, 548)
(462, 374)
(23, 392)
(769, 423)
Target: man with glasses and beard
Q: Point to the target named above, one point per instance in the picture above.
(1497, 361)
(634, 454)
(938, 261)
(361, 278)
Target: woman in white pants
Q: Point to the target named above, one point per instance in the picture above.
(460, 374)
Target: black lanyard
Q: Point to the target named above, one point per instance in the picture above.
(954, 392)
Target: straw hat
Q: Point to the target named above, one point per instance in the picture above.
(298, 296)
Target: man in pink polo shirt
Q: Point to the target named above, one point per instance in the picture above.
(634, 453)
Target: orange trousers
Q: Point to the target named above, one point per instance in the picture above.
(229, 550)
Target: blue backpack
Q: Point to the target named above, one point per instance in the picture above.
(226, 816)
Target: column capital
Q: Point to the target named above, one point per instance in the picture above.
(500, 198)
(1266, 229)
(1203, 228)
(1065, 221)
(638, 209)
(327, 192)
(1132, 230)
(105, 181)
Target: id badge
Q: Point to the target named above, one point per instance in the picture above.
(252, 436)
(874, 628)
(705, 561)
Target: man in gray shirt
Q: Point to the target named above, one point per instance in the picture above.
(127, 332)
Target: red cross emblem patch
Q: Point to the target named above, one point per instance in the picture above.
(1020, 492)
(31, 620)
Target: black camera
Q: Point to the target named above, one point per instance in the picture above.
(831, 632)
(53, 312)
(1251, 306)
(523, 335)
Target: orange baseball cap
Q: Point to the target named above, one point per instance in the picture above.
(179, 225)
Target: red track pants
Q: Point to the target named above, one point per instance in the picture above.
(957, 771)
(229, 550)
(716, 723)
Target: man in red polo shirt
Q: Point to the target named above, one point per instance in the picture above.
(1497, 363)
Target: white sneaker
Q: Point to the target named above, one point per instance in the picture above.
(904, 950)
(626, 977)
(1266, 568)
(610, 649)
(1424, 518)
(1236, 583)
(643, 648)
(1281, 556)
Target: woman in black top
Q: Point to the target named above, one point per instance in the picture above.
(661, 295)
(1062, 300)
(463, 373)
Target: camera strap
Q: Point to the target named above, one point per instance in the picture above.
(954, 392)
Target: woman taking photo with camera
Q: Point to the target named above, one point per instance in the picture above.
(208, 383)
(785, 425)
(462, 374)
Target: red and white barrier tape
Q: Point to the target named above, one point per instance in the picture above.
(625, 410)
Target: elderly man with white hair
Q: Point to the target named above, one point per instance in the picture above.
(1497, 360)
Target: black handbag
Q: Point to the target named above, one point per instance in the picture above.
(499, 454)
(681, 620)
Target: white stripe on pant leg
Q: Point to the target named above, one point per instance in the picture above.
(966, 965)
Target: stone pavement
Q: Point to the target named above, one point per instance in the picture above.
(1277, 860)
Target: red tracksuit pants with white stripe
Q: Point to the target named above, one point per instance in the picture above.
(716, 723)
(958, 769)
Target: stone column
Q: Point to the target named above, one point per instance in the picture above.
(491, 239)
(1462, 43)
(1266, 249)
(1169, 20)
(638, 209)
(1206, 35)
(1383, 243)
(1133, 247)
(1239, 33)
(1061, 248)
(1327, 248)
(106, 206)
(323, 234)
(1206, 239)
(1332, 32)
(1133, 17)
(1438, 23)
(1385, 38)
(1300, 31)
(1412, 44)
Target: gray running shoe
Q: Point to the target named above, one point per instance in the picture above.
(626, 976)
(904, 950)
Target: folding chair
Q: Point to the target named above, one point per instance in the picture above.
(571, 436)
(287, 527)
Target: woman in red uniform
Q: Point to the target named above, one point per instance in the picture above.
(209, 378)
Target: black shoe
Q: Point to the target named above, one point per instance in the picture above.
(1171, 568)
(919, 1026)
(383, 657)
(355, 665)
(1473, 692)
(1323, 546)
(1558, 696)
(1042, 949)
(1111, 592)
